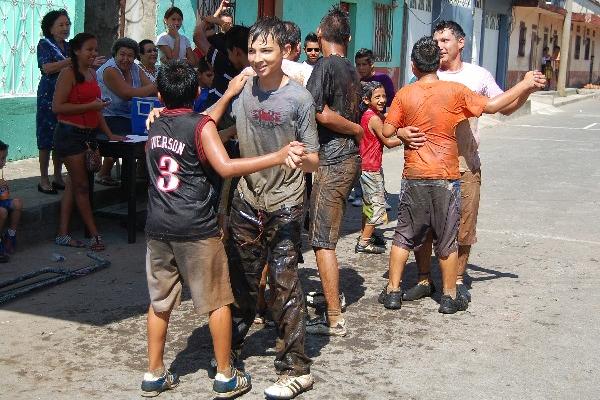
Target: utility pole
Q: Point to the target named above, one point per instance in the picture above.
(564, 50)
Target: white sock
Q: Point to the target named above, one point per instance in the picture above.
(11, 232)
(222, 378)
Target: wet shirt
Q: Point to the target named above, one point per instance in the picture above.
(335, 83)
(481, 81)
(265, 122)
(371, 148)
(181, 195)
(435, 108)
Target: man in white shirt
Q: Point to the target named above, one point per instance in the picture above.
(451, 40)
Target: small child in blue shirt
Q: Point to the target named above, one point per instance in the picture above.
(9, 209)
(206, 76)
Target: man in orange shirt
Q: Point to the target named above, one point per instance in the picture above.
(430, 193)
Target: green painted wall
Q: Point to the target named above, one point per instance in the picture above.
(19, 73)
(17, 126)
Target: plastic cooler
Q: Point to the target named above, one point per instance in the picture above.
(140, 108)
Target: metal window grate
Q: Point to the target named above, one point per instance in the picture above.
(208, 7)
(383, 32)
(20, 32)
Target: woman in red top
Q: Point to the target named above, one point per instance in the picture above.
(78, 107)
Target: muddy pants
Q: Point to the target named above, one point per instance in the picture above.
(273, 238)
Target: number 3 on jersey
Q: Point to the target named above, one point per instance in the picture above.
(168, 181)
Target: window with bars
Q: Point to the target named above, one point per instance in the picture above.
(208, 7)
(383, 32)
(20, 31)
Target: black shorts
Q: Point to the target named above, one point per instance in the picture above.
(70, 140)
(428, 205)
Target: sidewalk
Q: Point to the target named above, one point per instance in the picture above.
(41, 212)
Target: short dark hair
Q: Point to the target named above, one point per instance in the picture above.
(144, 43)
(311, 37)
(226, 13)
(293, 36)
(203, 65)
(237, 36)
(367, 89)
(50, 18)
(177, 83)
(425, 55)
(173, 10)
(127, 43)
(456, 29)
(364, 53)
(335, 26)
(3, 146)
(269, 26)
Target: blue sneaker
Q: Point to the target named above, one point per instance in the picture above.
(237, 385)
(152, 386)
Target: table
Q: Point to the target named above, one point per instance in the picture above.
(129, 152)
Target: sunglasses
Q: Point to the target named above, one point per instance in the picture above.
(311, 49)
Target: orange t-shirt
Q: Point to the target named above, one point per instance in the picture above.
(435, 108)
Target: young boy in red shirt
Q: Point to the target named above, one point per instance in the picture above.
(373, 105)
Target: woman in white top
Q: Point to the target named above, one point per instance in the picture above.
(148, 57)
(171, 44)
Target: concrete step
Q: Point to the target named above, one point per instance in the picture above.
(41, 213)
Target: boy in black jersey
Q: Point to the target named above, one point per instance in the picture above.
(183, 238)
(267, 208)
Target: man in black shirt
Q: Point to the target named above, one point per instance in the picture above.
(335, 86)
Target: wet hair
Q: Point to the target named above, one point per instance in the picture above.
(49, 20)
(311, 37)
(128, 44)
(226, 13)
(456, 29)
(141, 46)
(203, 66)
(237, 36)
(335, 26)
(292, 34)
(3, 146)
(269, 26)
(367, 89)
(425, 55)
(364, 53)
(76, 44)
(173, 10)
(177, 83)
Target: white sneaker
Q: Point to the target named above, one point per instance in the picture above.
(288, 387)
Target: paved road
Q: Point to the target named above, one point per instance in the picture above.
(531, 331)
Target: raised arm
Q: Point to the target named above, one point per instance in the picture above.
(533, 80)
(199, 37)
(226, 167)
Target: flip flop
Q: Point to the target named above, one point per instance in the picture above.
(68, 241)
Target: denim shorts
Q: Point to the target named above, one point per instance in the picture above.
(70, 140)
(331, 187)
(428, 205)
(6, 204)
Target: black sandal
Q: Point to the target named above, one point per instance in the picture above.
(46, 191)
(58, 186)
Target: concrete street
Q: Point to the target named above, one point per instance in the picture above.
(531, 331)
